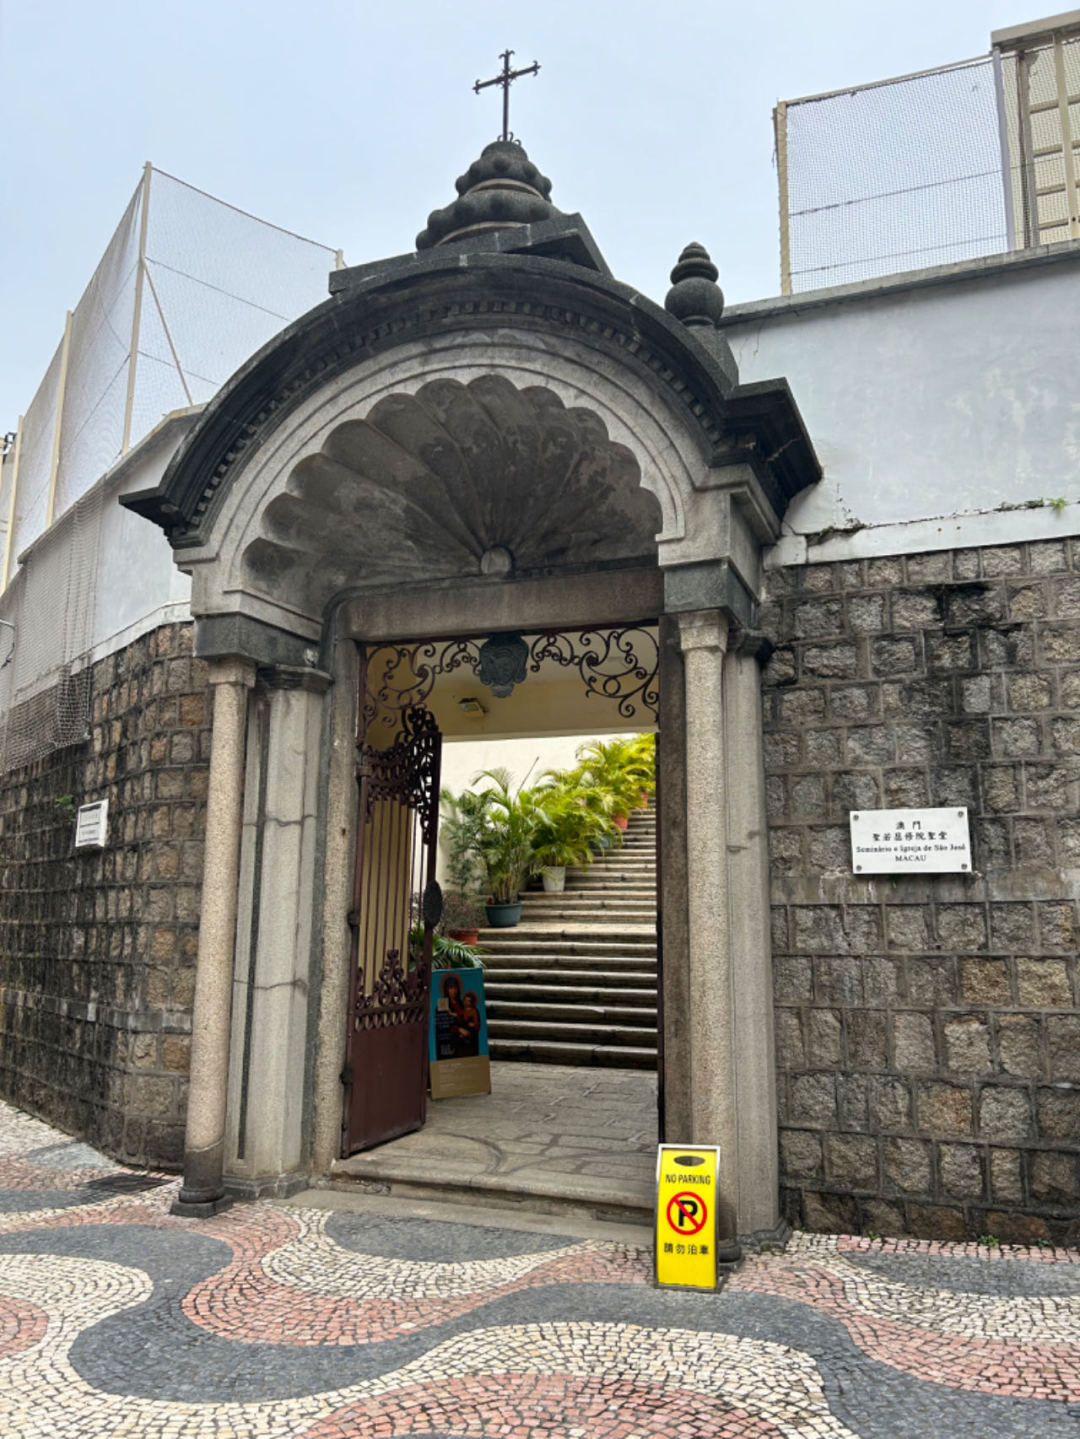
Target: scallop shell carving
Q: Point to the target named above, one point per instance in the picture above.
(430, 483)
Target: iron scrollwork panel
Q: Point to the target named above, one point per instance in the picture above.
(617, 665)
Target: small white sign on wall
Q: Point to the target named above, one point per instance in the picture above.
(92, 825)
(910, 841)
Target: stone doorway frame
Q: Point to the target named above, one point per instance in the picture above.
(718, 1070)
(570, 647)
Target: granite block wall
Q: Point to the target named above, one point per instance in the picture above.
(97, 947)
(928, 1029)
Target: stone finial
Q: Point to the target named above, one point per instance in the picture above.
(695, 298)
(502, 188)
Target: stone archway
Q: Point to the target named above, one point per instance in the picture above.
(350, 483)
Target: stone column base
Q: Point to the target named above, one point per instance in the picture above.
(199, 1208)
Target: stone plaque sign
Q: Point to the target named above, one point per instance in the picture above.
(910, 841)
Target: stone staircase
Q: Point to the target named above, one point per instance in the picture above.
(575, 981)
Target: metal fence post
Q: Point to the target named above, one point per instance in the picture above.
(9, 541)
(136, 318)
(1007, 176)
(54, 463)
(780, 128)
(1068, 153)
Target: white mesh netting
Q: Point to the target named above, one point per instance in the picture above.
(213, 285)
(930, 169)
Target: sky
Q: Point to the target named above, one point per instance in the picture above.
(347, 121)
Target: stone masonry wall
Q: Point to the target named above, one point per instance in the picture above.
(928, 1029)
(97, 947)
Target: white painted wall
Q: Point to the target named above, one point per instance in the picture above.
(96, 580)
(526, 759)
(136, 573)
(927, 400)
(462, 759)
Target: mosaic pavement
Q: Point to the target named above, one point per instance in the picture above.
(273, 1322)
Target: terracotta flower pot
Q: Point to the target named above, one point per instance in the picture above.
(466, 936)
(621, 820)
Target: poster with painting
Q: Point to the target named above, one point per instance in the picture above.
(457, 1035)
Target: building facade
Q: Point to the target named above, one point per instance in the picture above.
(863, 582)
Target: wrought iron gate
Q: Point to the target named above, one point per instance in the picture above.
(395, 901)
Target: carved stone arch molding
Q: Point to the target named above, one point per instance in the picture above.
(550, 437)
(459, 479)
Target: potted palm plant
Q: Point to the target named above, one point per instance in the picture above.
(566, 834)
(618, 768)
(641, 766)
(504, 845)
(459, 831)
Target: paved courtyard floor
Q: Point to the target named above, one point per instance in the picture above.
(274, 1321)
(574, 1136)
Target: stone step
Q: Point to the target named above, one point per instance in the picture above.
(576, 982)
(545, 1019)
(621, 981)
(610, 1056)
(567, 914)
(644, 873)
(626, 852)
(616, 899)
(612, 874)
(577, 913)
(566, 1032)
(614, 962)
(603, 895)
(595, 992)
(633, 931)
(629, 886)
(565, 942)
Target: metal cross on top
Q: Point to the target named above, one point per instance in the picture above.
(505, 79)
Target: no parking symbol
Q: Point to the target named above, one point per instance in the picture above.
(687, 1213)
(686, 1182)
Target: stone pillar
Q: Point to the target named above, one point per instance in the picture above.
(703, 636)
(204, 1141)
(751, 944)
(272, 984)
(337, 890)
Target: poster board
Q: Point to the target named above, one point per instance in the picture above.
(458, 1058)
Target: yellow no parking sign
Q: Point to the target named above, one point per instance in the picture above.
(686, 1182)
